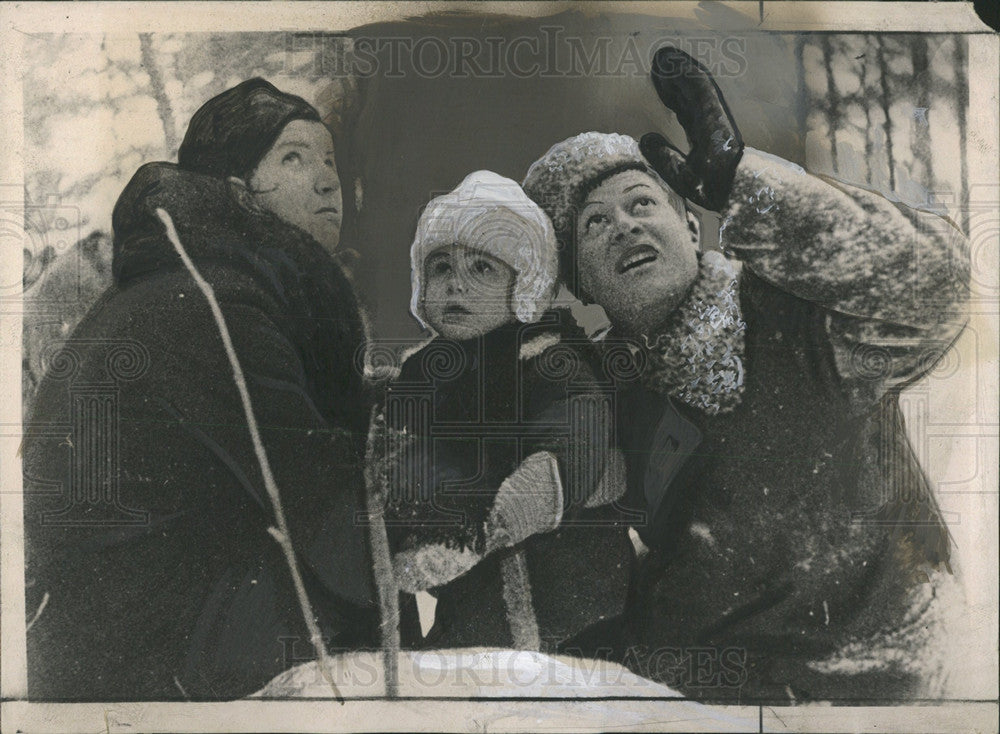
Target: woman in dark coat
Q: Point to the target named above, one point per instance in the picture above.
(148, 555)
(795, 548)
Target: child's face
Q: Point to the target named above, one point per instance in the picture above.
(466, 292)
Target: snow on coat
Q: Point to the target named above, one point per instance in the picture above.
(794, 526)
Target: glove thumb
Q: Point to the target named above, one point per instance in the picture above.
(529, 501)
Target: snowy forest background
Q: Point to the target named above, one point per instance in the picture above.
(884, 111)
(888, 111)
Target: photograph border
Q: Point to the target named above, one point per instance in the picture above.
(18, 20)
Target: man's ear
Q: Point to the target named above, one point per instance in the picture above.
(694, 227)
(241, 194)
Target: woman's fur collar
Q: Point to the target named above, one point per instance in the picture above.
(697, 356)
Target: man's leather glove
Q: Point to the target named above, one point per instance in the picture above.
(705, 175)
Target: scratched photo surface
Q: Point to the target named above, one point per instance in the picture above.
(504, 356)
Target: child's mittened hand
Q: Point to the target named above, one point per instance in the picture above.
(530, 501)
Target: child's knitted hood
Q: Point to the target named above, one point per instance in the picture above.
(491, 213)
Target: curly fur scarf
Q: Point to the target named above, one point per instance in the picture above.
(697, 357)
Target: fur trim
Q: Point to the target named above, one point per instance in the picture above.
(698, 357)
(556, 179)
(519, 603)
(535, 347)
(428, 566)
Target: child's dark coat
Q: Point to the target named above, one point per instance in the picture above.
(489, 403)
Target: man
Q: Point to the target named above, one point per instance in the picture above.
(795, 549)
(150, 568)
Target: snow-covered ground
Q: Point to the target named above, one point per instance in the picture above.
(467, 673)
(604, 692)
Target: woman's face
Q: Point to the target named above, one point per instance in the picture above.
(635, 253)
(297, 181)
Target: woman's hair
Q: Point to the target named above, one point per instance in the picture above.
(232, 132)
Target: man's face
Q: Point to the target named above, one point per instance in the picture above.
(297, 181)
(635, 254)
(466, 292)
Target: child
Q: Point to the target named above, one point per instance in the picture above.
(500, 467)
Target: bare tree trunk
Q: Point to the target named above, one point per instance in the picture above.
(802, 107)
(921, 118)
(832, 99)
(961, 108)
(865, 99)
(886, 106)
(159, 91)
